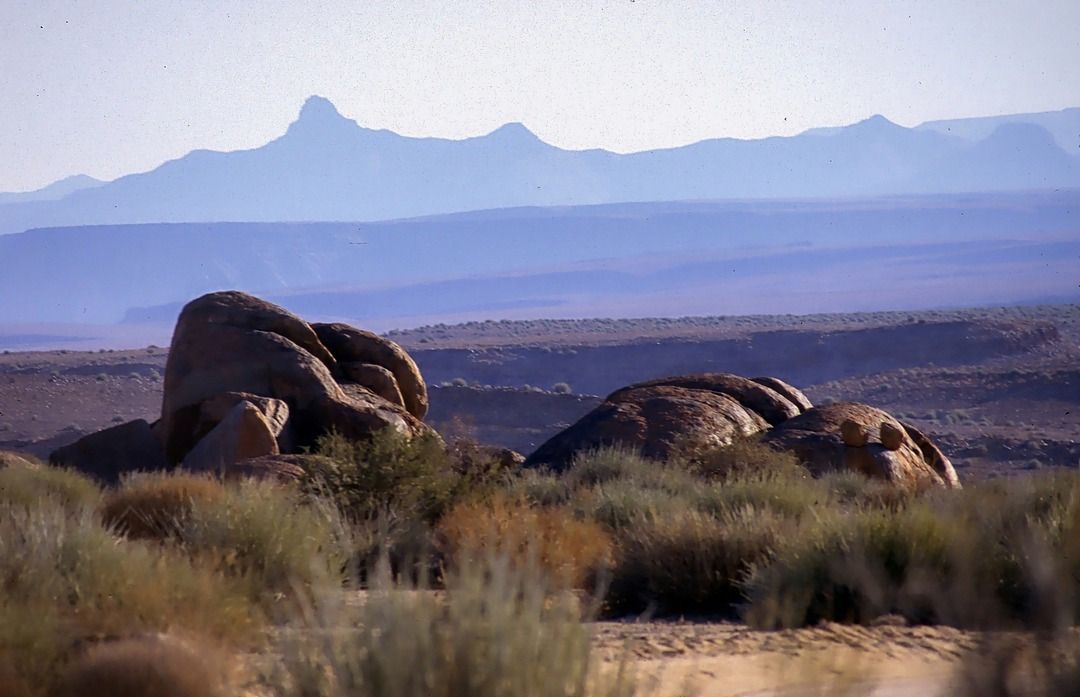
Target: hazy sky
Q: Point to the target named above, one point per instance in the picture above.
(108, 88)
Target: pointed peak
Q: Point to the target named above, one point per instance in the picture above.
(514, 129)
(877, 121)
(318, 108)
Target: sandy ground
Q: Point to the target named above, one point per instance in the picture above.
(729, 660)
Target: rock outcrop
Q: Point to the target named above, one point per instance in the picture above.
(108, 455)
(247, 379)
(858, 437)
(363, 351)
(659, 417)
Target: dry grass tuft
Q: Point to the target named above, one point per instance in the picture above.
(156, 506)
(568, 550)
(26, 485)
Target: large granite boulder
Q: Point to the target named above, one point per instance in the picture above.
(851, 436)
(107, 455)
(656, 420)
(230, 342)
(359, 348)
(243, 433)
(247, 379)
(661, 417)
(767, 402)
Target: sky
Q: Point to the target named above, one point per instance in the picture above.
(109, 88)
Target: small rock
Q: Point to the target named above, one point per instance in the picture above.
(892, 438)
(853, 433)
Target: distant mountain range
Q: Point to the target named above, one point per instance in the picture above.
(326, 167)
(53, 192)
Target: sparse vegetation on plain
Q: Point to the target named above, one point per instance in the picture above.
(745, 536)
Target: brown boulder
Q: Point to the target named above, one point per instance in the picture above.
(209, 359)
(655, 420)
(244, 433)
(351, 345)
(191, 423)
(357, 415)
(108, 454)
(236, 309)
(892, 437)
(933, 456)
(375, 378)
(10, 459)
(853, 433)
(789, 392)
(817, 439)
(769, 404)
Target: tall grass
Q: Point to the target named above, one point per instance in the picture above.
(65, 579)
(499, 631)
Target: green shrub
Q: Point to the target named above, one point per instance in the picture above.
(539, 487)
(622, 503)
(268, 537)
(411, 477)
(608, 464)
(858, 566)
(690, 562)
(745, 456)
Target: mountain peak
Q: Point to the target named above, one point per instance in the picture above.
(513, 130)
(318, 108)
(877, 121)
(319, 119)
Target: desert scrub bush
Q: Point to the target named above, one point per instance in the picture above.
(156, 505)
(743, 456)
(691, 562)
(539, 487)
(27, 485)
(792, 497)
(499, 632)
(550, 540)
(65, 579)
(603, 465)
(621, 503)
(414, 477)
(856, 566)
(269, 537)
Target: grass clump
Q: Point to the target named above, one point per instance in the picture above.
(744, 456)
(65, 579)
(691, 562)
(269, 538)
(25, 486)
(157, 505)
(567, 550)
(855, 568)
(499, 632)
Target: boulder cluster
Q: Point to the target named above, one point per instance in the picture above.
(693, 412)
(249, 386)
(247, 380)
